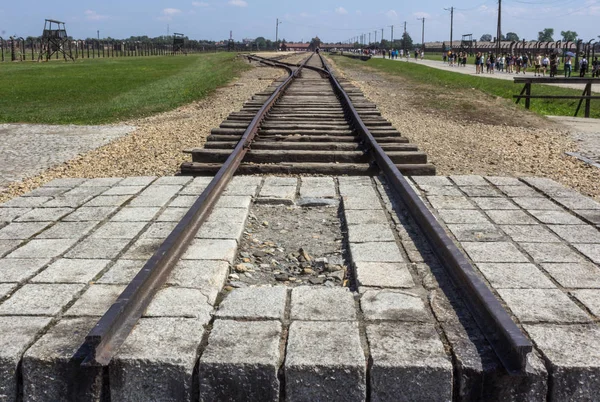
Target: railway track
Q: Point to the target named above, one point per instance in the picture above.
(320, 126)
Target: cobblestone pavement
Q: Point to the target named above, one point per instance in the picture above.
(68, 249)
(28, 149)
(586, 132)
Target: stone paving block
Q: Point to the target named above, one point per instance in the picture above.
(122, 272)
(384, 275)
(183, 201)
(95, 301)
(10, 214)
(18, 270)
(254, 303)
(101, 182)
(243, 185)
(515, 276)
(71, 271)
(468, 180)
(221, 230)
(44, 215)
(232, 215)
(409, 363)
(575, 233)
(69, 200)
(67, 182)
(476, 232)
(462, 216)
(332, 369)
(572, 354)
(119, 230)
(530, 233)
(578, 201)
(68, 230)
(510, 217)
(209, 249)
(520, 191)
(591, 251)
(173, 180)
(550, 252)
(440, 190)
(46, 191)
(279, 188)
(590, 298)
(367, 199)
(394, 305)
(370, 216)
(504, 181)
(42, 248)
(137, 181)
(26, 202)
(136, 214)
(180, 302)
(556, 217)
(234, 201)
(592, 215)
(370, 232)
(193, 190)
(537, 203)
(495, 203)
(16, 335)
(142, 249)
(322, 304)
(208, 276)
(87, 191)
(157, 361)
(6, 289)
(48, 367)
(21, 231)
(155, 196)
(574, 275)
(108, 201)
(172, 215)
(38, 299)
(8, 245)
(317, 187)
(375, 252)
(481, 191)
(493, 252)
(542, 305)
(123, 190)
(159, 230)
(448, 202)
(90, 214)
(432, 180)
(241, 362)
(98, 248)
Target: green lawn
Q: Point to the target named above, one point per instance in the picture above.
(108, 90)
(446, 80)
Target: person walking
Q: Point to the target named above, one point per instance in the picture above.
(538, 64)
(525, 63)
(596, 68)
(583, 66)
(545, 63)
(568, 66)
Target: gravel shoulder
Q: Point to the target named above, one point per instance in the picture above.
(467, 134)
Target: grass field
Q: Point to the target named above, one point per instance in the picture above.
(446, 80)
(108, 90)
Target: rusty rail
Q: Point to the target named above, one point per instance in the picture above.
(507, 340)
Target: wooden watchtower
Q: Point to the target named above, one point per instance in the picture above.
(55, 40)
(178, 42)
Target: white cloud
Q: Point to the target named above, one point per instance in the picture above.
(91, 15)
(422, 14)
(392, 14)
(238, 3)
(171, 11)
(305, 15)
(341, 11)
(200, 4)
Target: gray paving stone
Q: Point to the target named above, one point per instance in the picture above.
(44, 215)
(394, 305)
(209, 249)
(322, 304)
(572, 354)
(69, 200)
(137, 181)
(276, 181)
(493, 252)
(8, 245)
(159, 230)
(234, 201)
(243, 185)
(481, 191)
(278, 189)
(157, 361)
(46, 191)
(136, 214)
(231, 215)
(520, 191)
(590, 298)
(370, 233)
(10, 214)
(207, 276)
(194, 189)
(504, 181)
(556, 217)
(361, 217)
(574, 275)
(154, 196)
(123, 190)
(122, 272)
(108, 201)
(71, 271)
(462, 216)
(409, 363)
(173, 180)
(68, 230)
(332, 369)
(375, 252)
(21, 231)
(183, 201)
(578, 201)
(448, 202)
(142, 249)
(172, 215)
(101, 182)
(515, 276)
(383, 274)
(468, 180)
(575, 233)
(592, 215)
(98, 248)
(486, 203)
(591, 251)
(90, 214)
(6, 289)
(95, 301)
(530, 233)
(221, 230)
(48, 365)
(432, 180)
(476, 232)
(26, 202)
(542, 306)
(42, 248)
(550, 252)
(180, 302)
(38, 299)
(254, 303)
(317, 187)
(241, 362)
(510, 217)
(362, 198)
(537, 203)
(440, 190)
(18, 270)
(67, 182)
(119, 230)
(16, 335)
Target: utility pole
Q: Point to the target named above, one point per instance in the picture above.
(98, 32)
(404, 38)
(422, 34)
(375, 36)
(369, 38)
(382, 36)
(392, 37)
(499, 30)
(167, 30)
(451, 23)
(277, 33)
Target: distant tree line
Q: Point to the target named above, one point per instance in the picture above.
(546, 35)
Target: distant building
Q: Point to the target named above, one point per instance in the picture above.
(295, 47)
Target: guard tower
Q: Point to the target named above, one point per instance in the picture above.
(55, 40)
(466, 44)
(230, 43)
(178, 43)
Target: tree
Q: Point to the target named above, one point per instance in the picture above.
(315, 43)
(511, 36)
(407, 42)
(546, 35)
(261, 43)
(569, 36)
(486, 38)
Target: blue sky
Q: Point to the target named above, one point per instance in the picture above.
(301, 20)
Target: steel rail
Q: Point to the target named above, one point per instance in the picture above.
(323, 71)
(109, 333)
(507, 340)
